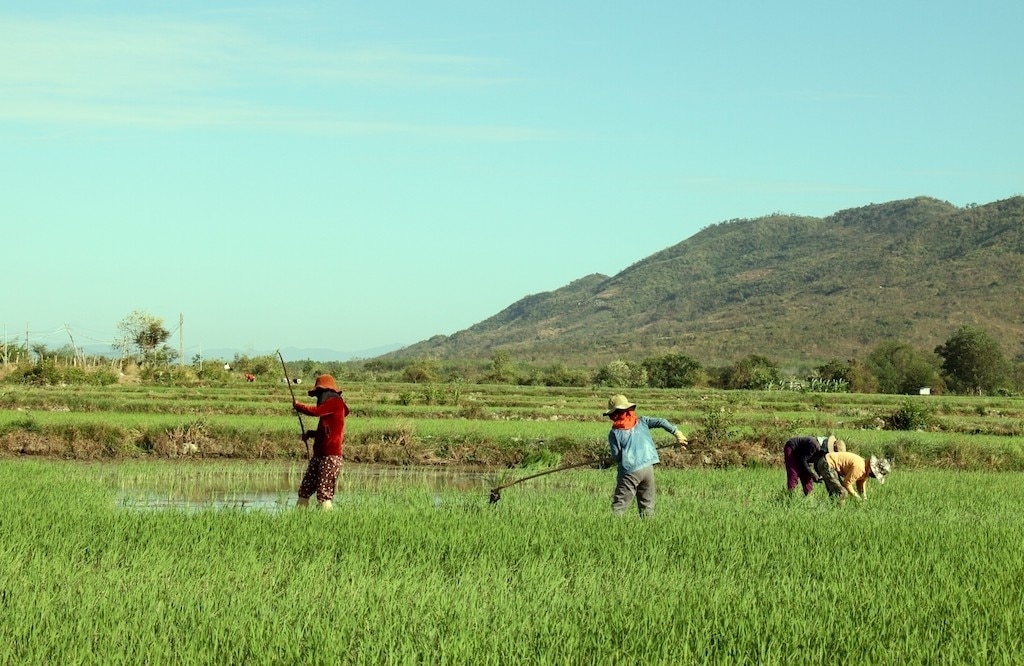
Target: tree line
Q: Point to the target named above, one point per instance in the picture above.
(970, 362)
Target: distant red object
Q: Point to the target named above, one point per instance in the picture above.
(249, 377)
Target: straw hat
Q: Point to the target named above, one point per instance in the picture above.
(880, 468)
(833, 445)
(324, 383)
(618, 403)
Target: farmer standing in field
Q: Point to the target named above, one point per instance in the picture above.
(801, 453)
(847, 473)
(321, 475)
(633, 449)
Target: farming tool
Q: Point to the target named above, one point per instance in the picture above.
(288, 380)
(603, 461)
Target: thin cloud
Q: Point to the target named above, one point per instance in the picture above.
(144, 72)
(237, 116)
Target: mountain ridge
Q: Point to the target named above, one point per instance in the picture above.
(795, 288)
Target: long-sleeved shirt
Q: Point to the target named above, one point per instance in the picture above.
(330, 431)
(804, 449)
(852, 469)
(634, 448)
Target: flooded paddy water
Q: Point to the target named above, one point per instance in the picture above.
(274, 486)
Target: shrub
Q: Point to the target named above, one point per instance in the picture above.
(716, 426)
(912, 415)
(49, 373)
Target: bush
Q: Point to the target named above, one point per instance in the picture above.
(49, 373)
(912, 415)
(716, 426)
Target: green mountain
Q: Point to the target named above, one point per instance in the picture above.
(799, 290)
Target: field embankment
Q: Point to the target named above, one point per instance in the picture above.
(500, 426)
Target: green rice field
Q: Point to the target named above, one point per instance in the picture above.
(410, 569)
(157, 525)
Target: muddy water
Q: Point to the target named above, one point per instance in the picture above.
(275, 490)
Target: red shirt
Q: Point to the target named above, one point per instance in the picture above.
(330, 431)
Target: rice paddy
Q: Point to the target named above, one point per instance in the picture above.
(410, 569)
(118, 548)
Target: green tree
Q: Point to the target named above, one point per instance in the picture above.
(142, 335)
(973, 362)
(621, 374)
(901, 369)
(752, 372)
(12, 352)
(672, 371)
(40, 350)
(1016, 372)
(501, 370)
(559, 374)
(857, 376)
(421, 371)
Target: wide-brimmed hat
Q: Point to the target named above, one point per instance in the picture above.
(619, 403)
(880, 468)
(324, 383)
(833, 445)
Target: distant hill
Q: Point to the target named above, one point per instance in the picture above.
(305, 353)
(799, 290)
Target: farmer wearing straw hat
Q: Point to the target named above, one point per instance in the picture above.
(322, 471)
(847, 473)
(801, 453)
(633, 449)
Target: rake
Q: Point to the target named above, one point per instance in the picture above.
(287, 379)
(603, 461)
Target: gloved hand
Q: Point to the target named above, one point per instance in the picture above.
(308, 435)
(681, 438)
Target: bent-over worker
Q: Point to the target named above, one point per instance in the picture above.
(846, 473)
(801, 453)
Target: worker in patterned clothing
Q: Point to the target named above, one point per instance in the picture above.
(801, 453)
(321, 475)
(846, 473)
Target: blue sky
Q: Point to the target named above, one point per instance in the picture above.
(355, 175)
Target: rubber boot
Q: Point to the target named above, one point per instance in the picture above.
(327, 505)
(302, 503)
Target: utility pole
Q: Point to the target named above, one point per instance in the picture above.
(79, 358)
(181, 339)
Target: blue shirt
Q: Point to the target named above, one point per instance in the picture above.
(634, 449)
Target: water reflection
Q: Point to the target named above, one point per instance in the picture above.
(270, 489)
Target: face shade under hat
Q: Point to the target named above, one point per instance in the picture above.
(618, 403)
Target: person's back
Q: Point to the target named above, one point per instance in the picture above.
(847, 463)
(843, 473)
(799, 456)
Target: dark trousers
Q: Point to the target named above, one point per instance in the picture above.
(795, 473)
